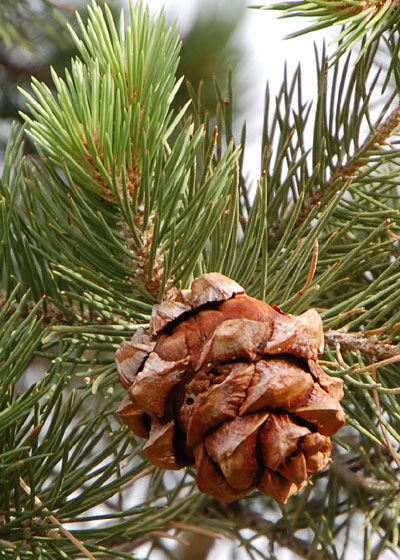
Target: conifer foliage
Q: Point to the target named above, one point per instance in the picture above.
(126, 200)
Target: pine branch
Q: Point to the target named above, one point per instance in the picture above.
(248, 519)
(336, 130)
(347, 172)
(362, 20)
(370, 345)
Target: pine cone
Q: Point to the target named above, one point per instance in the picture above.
(227, 383)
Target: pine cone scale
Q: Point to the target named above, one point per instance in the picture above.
(295, 469)
(277, 486)
(134, 417)
(220, 403)
(131, 356)
(321, 410)
(240, 338)
(317, 450)
(279, 439)
(155, 382)
(277, 383)
(233, 446)
(300, 336)
(232, 384)
(211, 480)
(160, 448)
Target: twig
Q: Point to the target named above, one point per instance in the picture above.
(393, 235)
(313, 266)
(376, 365)
(165, 535)
(247, 519)
(195, 529)
(368, 345)
(327, 363)
(54, 520)
(380, 330)
(371, 346)
(339, 357)
(65, 7)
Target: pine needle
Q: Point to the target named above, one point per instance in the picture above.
(54, 520)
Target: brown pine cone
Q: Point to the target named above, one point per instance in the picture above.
(231, 385)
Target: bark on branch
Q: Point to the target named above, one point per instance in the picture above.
(371, 345)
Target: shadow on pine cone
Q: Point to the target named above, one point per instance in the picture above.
(232, 385)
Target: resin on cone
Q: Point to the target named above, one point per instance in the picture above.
(231, 385)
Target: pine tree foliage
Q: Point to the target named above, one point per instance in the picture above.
(127, 199)
(360, 19)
